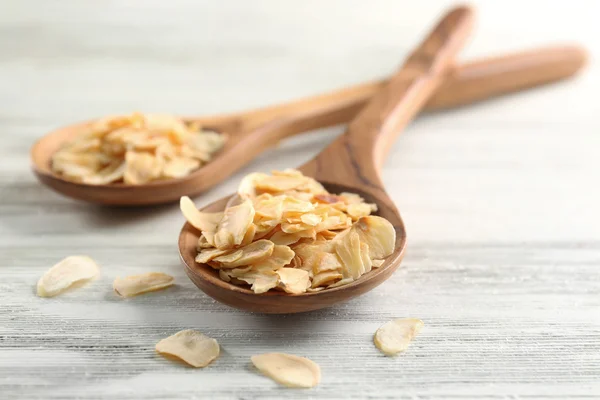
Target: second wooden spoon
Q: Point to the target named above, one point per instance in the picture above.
(251, 133)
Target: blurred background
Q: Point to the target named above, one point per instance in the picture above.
(71, 60)
(189, 56)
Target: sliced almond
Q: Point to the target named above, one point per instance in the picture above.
(358, 210)
(233, 226)
(141, 168)
(265, 283)
(205, 222)
(192, 347)
(283, 238)
(348, 250)
(288, 370)
(249, 236)
(112, 173)
(269, 207)
(247, 187)
(327, 262)
(71, 270)
(292, 280)
(342, 282)
(378, 233)
(325, 278)
(394, 336)
(294, 228)
(137, 284)
(207, 255)
(366, 260)
(280, 183)
(310, 219)
(251, 254)
(180, 167)
(281, 256)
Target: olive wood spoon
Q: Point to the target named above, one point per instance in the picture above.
(252, 132)
(351, 164)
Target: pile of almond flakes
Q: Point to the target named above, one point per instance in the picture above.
(135, 149)
(286, 232)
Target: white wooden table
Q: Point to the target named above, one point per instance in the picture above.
(501, 203)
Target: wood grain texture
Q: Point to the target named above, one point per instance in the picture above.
(511, 300)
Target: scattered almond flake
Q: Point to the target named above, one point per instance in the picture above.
(377, 263)
(293, 280)
(317, 289)
(138, 284)
(288, 370)
(135, 149)
(234, 224)
(64, 274)
(394, 336)
(192, 347)
(205, 222)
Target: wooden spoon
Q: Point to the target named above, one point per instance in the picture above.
(250, 133)
(351, 164)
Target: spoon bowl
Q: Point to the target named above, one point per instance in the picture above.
(274, 302)
(251, 133)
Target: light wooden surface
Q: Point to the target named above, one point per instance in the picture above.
(500, 203)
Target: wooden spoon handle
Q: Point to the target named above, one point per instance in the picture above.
(355, 157)
(465, 84)
(501, 75)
